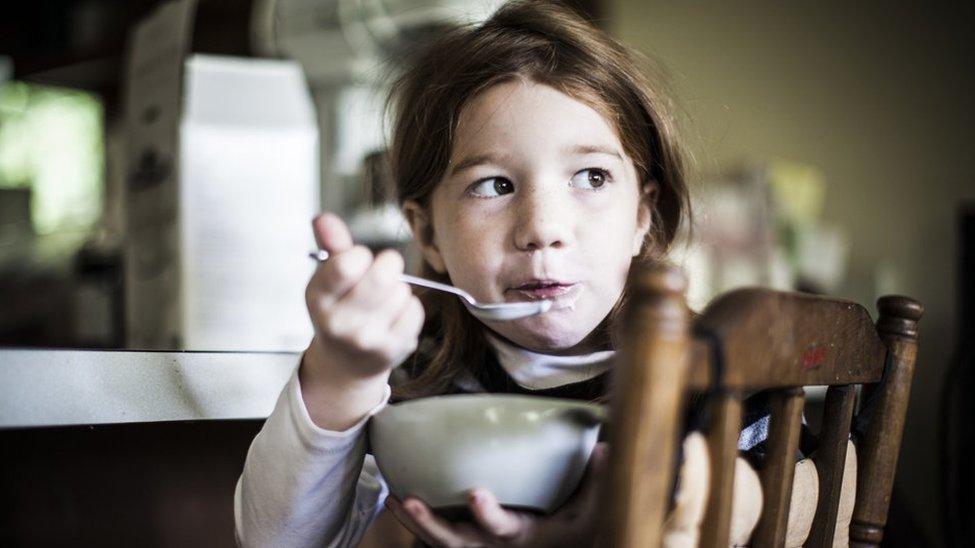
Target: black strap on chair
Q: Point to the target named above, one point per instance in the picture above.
(716, 364)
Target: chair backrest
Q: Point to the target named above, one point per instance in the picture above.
(744, 341)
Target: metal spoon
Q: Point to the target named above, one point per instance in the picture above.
(484, 311)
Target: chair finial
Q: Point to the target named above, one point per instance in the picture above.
(659, 278)
(899, 316)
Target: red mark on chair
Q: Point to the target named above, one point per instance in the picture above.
(812, 358)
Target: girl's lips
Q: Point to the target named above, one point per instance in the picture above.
(562, 295)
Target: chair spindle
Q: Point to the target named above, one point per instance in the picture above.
(779, 467)
(723, 433)
(830, 459)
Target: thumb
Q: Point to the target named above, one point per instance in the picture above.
(331, 234)
(597, 459)
(591, 478)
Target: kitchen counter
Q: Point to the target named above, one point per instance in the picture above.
(85, 387)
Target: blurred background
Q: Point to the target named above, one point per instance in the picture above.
(159, 164)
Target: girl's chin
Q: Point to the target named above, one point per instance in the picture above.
(546, 336)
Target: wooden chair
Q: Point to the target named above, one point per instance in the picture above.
(754, 339)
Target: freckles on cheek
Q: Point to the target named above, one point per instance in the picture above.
(467, 246)
(459, 233)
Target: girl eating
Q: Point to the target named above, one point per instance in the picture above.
(532, 161)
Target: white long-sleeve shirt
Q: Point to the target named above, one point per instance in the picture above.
(306, 486)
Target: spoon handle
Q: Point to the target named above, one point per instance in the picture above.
(321, 256)
(437, 285)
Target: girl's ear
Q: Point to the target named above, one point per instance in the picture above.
(422, 227)
(644, 216)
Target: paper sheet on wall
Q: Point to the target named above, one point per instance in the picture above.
(156, 51)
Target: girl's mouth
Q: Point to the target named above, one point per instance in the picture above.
(562, 294)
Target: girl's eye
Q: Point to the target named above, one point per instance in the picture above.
(495, 186)
(592, 178)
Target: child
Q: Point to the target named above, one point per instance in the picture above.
(532, 161)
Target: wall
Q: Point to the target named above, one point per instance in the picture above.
(878, 97)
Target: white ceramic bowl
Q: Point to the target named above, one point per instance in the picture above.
(529, 451)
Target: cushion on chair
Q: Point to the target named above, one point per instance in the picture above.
(802, 507)
(848, 495)
(805, 496)
(746, 503)
(682, 528)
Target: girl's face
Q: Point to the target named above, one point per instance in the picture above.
(539, 202)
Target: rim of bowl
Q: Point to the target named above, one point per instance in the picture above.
(431, 400)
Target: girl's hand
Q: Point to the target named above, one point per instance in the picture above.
(366, 323)
(572, 525)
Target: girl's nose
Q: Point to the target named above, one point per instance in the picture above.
(541, 224)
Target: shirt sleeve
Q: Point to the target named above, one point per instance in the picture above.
(306, 486)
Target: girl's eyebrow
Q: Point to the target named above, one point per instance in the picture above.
(472, 161)
(490, 158)
(595, 149)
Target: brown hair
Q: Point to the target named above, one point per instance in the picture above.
(549, 44)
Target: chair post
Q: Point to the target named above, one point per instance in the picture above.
(647, 407)
(897, 326)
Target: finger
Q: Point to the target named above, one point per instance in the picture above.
(489, 514)
(404, 517)
(377, 285)
(395, 305)
(408, 324)
(331, 234)
(368, 334)
(395, 342)
(337, 276)
(369, 322)
(373, 303)
(443, 532)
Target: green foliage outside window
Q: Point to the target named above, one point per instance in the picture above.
(51, 140)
